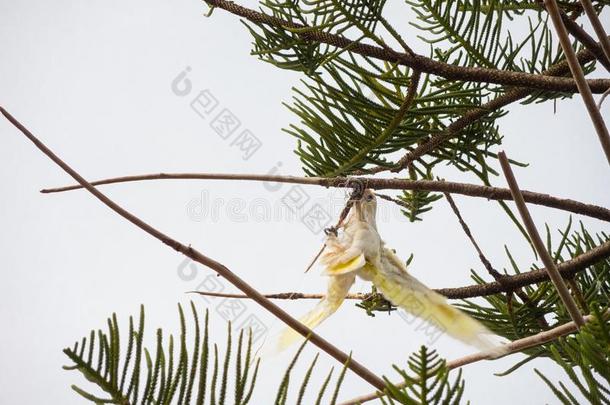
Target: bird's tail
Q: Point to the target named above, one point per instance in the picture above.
(338, 287)
(411, 295)
(313, 318)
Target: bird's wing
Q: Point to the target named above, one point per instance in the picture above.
(408, 293)
(340, 256)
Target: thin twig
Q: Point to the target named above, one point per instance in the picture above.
(584, 38)
(195, 255)
(315, 258)
(512, 347)
(281, 296)
(579, 76)
(487, 264)
(417, 62)
(394, 200)
(551, 268)
(472, 190)
(567, 270)
(602, 98)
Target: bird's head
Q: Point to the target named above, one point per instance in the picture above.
(366, 206)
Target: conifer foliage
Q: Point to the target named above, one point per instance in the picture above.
(367, 104)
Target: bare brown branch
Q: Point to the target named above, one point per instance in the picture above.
(280, 296)
(548, 261)
(578, 74)
(597, 26)
(567, 269)
(487, 264)
(195, 255)
(472, 190)
(582, 36)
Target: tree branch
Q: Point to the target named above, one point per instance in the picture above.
(417, 62)
(567, 269)
(281, 296)
(551, 268)
(582, 36)
(597, 26)
(512, 347)
(602, 98)
(472, 190)
(578, 74)
(195, 255)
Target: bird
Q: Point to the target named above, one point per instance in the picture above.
(343, 256)
(359, 251)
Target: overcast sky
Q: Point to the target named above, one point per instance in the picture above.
(94, 79)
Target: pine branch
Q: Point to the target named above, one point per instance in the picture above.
(416, 62)
(512, 347)
(166, 384)
(472, 190)
(566, 269)
(198, 257)
(453, 130)
(388, 131)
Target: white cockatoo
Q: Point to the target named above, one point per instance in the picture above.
(359, 251)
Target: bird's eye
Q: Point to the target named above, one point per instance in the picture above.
(369, 197)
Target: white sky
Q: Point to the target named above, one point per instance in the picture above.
(93, 80)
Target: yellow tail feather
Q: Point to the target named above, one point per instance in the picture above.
(411, 295)
(338, 287)
(312, 319)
